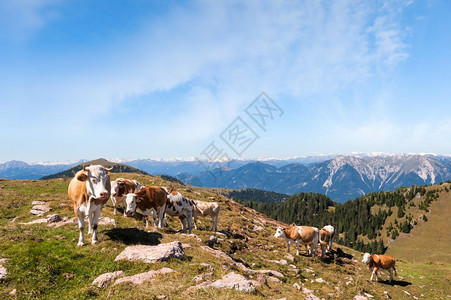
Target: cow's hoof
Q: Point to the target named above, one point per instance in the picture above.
(79, 244)
(94, 242)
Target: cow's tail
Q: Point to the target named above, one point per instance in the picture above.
(394, 269)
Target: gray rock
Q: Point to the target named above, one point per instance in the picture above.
(151, 254)
(236, 282)
(360, 297)
(53, 218)
(105, 279)
(38, 203)
(201, 277)
(142, 277)
(3, 270)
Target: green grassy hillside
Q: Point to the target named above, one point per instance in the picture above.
(45, 263)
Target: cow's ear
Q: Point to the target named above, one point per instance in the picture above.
(108, 169)
(138, 199)
(82, 177)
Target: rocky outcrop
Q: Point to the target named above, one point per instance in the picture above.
(40, 208)
(54, 218)
(106, 279)
(230, 281)
(151, 254)
(142, 277)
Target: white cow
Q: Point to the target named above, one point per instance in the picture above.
(177, 205)
(202, 208)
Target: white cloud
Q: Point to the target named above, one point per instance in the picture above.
(222, 54)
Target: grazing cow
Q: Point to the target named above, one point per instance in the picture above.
(89, 190)
(331, 230)
(179, 206)
(119, 190)
(376, 262)
(324, 239)
(202, 208)
(147, 199)
(300, 234)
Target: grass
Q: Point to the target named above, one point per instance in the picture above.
(45, 263)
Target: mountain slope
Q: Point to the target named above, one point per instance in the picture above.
(44, 262)
(117, 168)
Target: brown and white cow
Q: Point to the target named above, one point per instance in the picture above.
(182, 207)
(89, 190)
(376, 262)
(147, 199)
(119, 190)
(326, 234)
(205, 209)
(305, 235)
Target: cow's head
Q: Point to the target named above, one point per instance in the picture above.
(130, 201)
(118, 188)
(97, 181)
(279, 232)
(366, 258)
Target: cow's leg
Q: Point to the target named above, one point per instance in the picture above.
(214, 219)
(95, 222)
(182, 219)
(161, 216)
(195, 221)
(375, 269)
(288, 246)
(147, 220)
(391, 274)
(155, 217)
(189, 217)
(297, 247)
(81, 227)
(113, 200)
(323, 249)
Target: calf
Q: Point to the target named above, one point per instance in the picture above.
(202, 208)
(177, 205)
(331, 230)
(147, 199)
(89, 190)
(376, 262)
(300, 234)
(324, 238)
(119, 190)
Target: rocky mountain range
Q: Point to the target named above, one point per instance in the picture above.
(341, 178)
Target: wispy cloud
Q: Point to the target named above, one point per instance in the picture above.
(222, 54)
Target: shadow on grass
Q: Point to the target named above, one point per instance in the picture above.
(396, 282)
(133, 236)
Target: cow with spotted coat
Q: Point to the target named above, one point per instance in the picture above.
(182, 207)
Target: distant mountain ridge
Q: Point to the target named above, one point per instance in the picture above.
(117, 168)
(342, 178)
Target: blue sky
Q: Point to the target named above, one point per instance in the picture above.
(148, 79)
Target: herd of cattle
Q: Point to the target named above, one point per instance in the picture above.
(91, 188)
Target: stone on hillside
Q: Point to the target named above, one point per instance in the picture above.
(37, 203)
(142, 277)
(38, 221)
(64, 221)
(270, 273)
(360, 297)
(105, 279)
(3, 270)
(13, 292)
(201, 277)
(217, 253)
(309, 294)
(369, 295)
(106, 221)
(275, 279)
(297, 286)
(151, 254)
(40, 209)
(289, 256)
(207, 266)
(236, 282)
(257, 228)
(320, 280)
(194, 237)
(53, 218)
